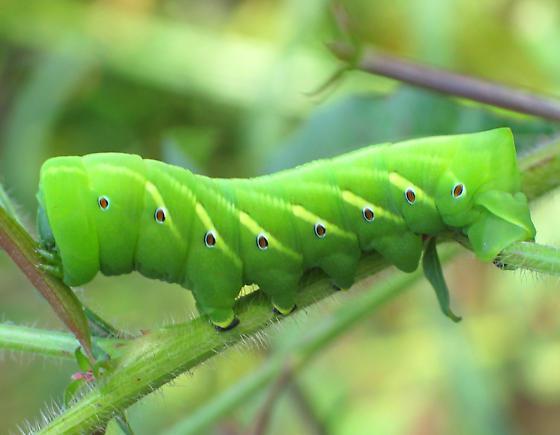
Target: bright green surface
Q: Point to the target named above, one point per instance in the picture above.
(221, 87)
(125, 234)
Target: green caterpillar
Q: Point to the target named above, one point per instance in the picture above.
(116, 213)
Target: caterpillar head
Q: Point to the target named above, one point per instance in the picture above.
(65, 220)
(482, 197)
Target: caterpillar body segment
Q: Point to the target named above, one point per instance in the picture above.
(116, 213)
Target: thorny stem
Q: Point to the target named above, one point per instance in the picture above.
(450, 83)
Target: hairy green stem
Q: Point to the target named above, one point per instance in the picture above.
(152, 360)
(48, 343)
(532, 256)
(298, 352)
(295, 356)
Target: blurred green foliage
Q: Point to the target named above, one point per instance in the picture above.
(222, 87)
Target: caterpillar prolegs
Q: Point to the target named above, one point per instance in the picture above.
(116, 213)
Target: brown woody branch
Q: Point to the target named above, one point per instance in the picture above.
(450, 83)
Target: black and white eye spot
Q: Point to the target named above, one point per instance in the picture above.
(368, 214)
(160, 215)
(410, 195)
(320, 230)
(262, 242)
(458, 190)
(210, 239)
(103, 202)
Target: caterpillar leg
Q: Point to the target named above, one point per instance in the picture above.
(50, 262)
(53, 270)
(283, 311)
(48, 257)
(282, 293)
(283, 299)
(223, 319)
(215, 283)
(225, 326)
(341, 269)
(340, 289)
(220, 313)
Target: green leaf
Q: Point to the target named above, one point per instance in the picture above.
(82, 360)
(434, 274)
(71, 391)
(58, 344)
(100, 327)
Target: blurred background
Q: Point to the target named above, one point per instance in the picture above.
(226, 88)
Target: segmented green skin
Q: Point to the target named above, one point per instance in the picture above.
(285, 208)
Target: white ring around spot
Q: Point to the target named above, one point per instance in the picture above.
(262, 248)
(164, 215)
(207, 235)
(410, 189)
(106, 198)
(365, 210)
(316, 229)
(463, 193)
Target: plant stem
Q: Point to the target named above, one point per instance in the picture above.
(450, 83)
(48, 343)
(532, 256)
(154, 359)
(283, 379)
(302, 403)
(7, 205)
(540, 169)
(19, 245)
(298, 352)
